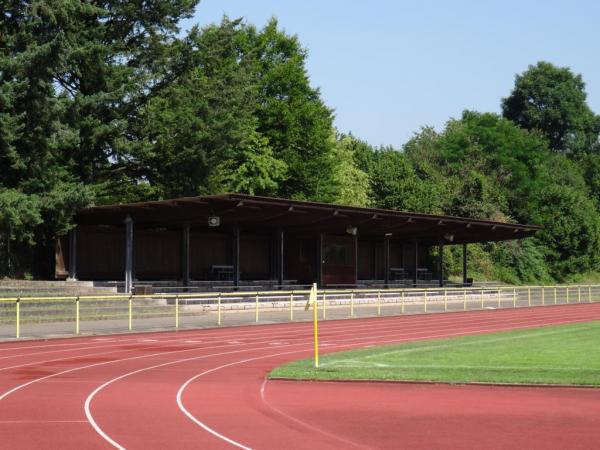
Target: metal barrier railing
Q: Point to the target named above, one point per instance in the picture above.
(251, 307)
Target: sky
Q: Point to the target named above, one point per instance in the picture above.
(388, 68)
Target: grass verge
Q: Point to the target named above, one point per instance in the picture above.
(565, 354)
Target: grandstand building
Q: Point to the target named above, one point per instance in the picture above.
(237, 241)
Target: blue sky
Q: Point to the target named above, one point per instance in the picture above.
(389, 67)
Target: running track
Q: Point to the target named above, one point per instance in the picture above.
(206, 389)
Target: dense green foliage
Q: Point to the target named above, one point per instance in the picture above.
(564, 354)
(104, 102)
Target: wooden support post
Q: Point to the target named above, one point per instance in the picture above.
(441, 264)
(416, 267)
(319, 268)
(355, 260)
(72, 254)
(128, 254)
(236, 257)
(386, 261)
(465, 277)
(185, 254)
(280, 250)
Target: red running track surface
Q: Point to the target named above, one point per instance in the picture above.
(206, 389)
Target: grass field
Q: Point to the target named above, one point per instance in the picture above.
(565, 354)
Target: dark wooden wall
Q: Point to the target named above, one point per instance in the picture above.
(157, 254)
(208, 249)
(100, 253)
(339, 258)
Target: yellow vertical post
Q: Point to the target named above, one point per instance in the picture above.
(219, 309)
(324, 305)
(292, 306)
(529, 296)
(514, 297)
(482, 299)
(578, 294)
(352, 304)
(176, 312)
(555, 295)
(256, 308)
(543, 296)
(378, 302)
(445, 300)
(567, 294)
(18, 318)
(130, 312)
(425, 302)
(77, 315)
(316, 324)
(499, 304)
(403, 302)
(589, 294)
(465, 300)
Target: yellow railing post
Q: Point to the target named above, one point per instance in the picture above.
(256, 308)
(219, 309)
(130, 312)
(589, 294)
(543, 296)
(578, 294)
(324, 305)
(403, 300)
(567, 294)
(18, 318)
(425, 303)
(555, 295)
(378, 302)
(499, 298)
(445, 300)
(292, 306)
(529, 296)
(352, 304)
(465, 300)
(77, 315)
(176, 312)
(482, 299)
(514, 297)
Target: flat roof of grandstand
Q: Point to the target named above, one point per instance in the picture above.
(262, 213)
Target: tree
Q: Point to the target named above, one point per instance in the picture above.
(349, 184)
(395, 185)
(290, 112)
(72, 76)
(552, 101)
(571, 234)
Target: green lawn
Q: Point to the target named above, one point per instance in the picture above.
(565, 354)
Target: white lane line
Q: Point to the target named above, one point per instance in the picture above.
(99, 430)
(90, 397)
(419, 325)
(303, 423)
(529, 324)
(235, 443)
(376, 342)
(212, 334)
